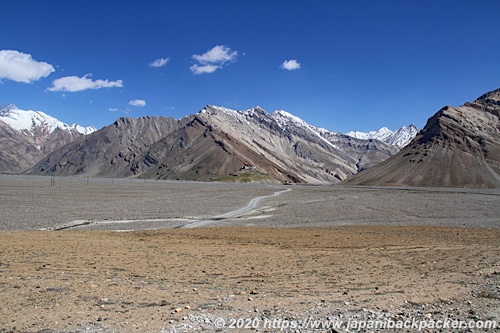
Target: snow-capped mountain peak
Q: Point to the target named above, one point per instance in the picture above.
(5, 109)
(283, 117)
(284, 120)
(400, 137)
(30, 135)
(36, 121)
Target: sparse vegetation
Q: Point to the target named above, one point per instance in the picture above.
(248, 176)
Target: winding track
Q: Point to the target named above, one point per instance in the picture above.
(252, 204)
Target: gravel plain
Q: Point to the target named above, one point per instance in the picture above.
(300, 254)
(33, 202)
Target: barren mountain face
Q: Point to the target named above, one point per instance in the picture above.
(459, 147)
(113, 151)
(217, 142)
(18, 151)
(27, 136)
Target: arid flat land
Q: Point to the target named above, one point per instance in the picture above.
(319, 252)
(31, 203)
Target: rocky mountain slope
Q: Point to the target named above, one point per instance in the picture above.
(113, 151)
(458, 147)
(216, 142)
(400, 137)
(27, 136)
(17, 151)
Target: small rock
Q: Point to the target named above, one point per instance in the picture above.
(187, 307)
(177, 310)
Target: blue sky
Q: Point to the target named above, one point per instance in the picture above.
(342, 65)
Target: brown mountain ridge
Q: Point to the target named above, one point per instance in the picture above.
(458, 147)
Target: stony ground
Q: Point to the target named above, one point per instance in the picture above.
(409, 261)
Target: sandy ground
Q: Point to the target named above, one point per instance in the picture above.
(311, 253)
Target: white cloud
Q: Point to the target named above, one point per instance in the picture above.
(218, 54)
(75, 83)
(21, 67)
(290, 65)
(113, 109)
(213, 59)
(137, 102)
(159, 62)
(197, 69)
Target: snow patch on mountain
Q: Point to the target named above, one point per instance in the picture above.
(29, 120)
(285, 118)
(399, 138)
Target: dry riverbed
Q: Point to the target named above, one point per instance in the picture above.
(323, 253)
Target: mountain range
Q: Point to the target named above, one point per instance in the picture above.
(213, 143)
(136, 146)
(458, 147)
(400, 137)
